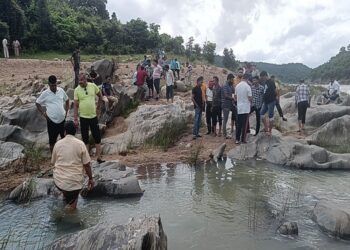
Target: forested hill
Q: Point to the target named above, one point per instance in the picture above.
(338, 67)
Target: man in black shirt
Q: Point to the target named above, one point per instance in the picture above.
(75, 60)
(198, 107)
(269, 101)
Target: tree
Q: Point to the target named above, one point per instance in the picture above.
(4, 30)
(13, 15)
(197, 50)
(229, 59)
(209, 51)
(91, 7)
(189, 46)
(342, 49)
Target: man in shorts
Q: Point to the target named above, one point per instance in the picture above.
(70, 158)
(56, 103)
(85, 102)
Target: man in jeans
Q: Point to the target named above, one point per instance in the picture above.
(85, 103)
(227, 100)
(243, 96)
(198, 107)
(269, 102)
(75, 60)
(216, 110)
(258, 94)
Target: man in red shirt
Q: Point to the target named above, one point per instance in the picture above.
(141, 76)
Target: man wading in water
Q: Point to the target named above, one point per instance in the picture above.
(70, 158)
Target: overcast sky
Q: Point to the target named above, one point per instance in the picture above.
(276, 31)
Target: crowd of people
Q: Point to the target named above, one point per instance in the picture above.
(241, 95)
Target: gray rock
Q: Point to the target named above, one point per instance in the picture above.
(104, 68)
(145, 233)
(334, 134)
(289, 228)
(10, 153)
(180, 86)
(218, 153)
(319, 115)
(333, 219)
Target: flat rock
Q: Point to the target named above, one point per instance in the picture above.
(140, 234)
(10, 152)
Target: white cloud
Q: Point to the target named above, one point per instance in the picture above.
(277, 31)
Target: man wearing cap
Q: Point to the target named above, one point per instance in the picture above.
(70, 159)
(56, 103)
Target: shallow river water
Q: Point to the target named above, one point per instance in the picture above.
(227, 206)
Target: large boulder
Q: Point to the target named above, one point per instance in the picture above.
(319, 115)
(290, 152)
(111, 179)
(180, 86)
(10, 153)
(140, 234)
(334, 134)
(333, 219)
(144, 124)
(104, 68)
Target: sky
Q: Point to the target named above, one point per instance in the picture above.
(274, 31)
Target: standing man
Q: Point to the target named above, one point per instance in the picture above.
(197, 99)
(227, 100)
(302, 99)
(56, 103)
(243, 96)
(209, 107)
(70, 158)
(140, 81)
(269, 102)
(188, 73)
(170, 79)
(278, 92)
(5, 47)
(75, 60)
(157, 72)
(149, 79)
(258, 94)
(85, 103)
(177, 68)
(16, 46)
(239, 77)
(333, 90)
(216, 110)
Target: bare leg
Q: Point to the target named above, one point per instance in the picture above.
(270, 126)
(98, 151)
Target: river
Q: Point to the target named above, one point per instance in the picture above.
(227, 206)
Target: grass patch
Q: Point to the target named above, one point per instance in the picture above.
(132, 106)
(33, 157)
(169, 134)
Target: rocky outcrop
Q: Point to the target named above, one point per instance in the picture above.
(289, 228)
(319, 115)
(333, 219)
(10, 153)
(180, 86)
(111, 179)
(145, 123)
(139, 234)
(334, 134)
(290, 152)
(104, 68)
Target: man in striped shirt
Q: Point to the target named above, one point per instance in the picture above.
(258, 94)
(302, 99)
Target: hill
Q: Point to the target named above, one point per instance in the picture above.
(289, 73)
(338, 67)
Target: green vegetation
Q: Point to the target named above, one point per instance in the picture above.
(169, 134)
(132, 106)
(33, 157)
(337, 67)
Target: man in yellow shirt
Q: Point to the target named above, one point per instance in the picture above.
(85, 103)
(70, 158)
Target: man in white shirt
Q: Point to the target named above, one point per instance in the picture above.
(56, 103)
(5, 47)
(333, 90)
(170, 79)
(243, 96)
(209, 107)
(16, 46)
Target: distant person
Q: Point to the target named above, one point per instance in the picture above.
(85, 106)
(197, 99)
(269, 101)
(177, 68)
(109, 95)
(140, 81)
(333, 91)
(71, 159)
(278, 91)
(255, 72)
(188, 73)
(238, 77)
(209, 107)
(134, 75)
(5, 47)
(170, 80)
(258, 94)
(75, 60)
(157, 73)
(216, 108)
(94, 76)
(56, 104)
(173, 66)
(302, 99)
(149, 79)
(227, 101)
(16, 47)
(144, 62)
(243, 96)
